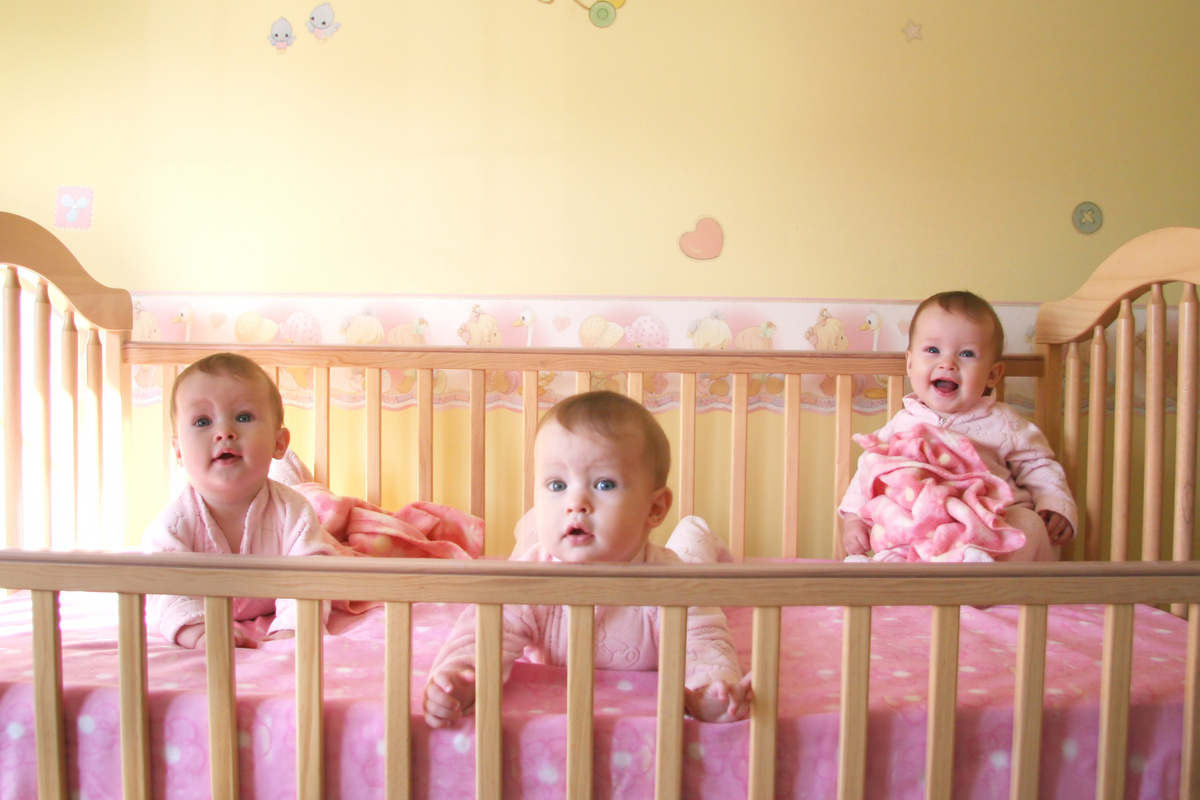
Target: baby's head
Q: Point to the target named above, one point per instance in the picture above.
(955, 341)
(227, 415)
(600, 465)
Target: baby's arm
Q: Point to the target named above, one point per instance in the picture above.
(856, 535)
(720, 701)
(192, 637)
(1058, 527)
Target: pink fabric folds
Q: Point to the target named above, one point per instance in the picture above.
(930, 496)
(418, 530)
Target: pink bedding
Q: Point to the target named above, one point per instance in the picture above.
(534, 724)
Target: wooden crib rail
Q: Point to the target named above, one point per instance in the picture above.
(492, 583)
(635, 363)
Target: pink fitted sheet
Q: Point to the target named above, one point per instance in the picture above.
(716, 758)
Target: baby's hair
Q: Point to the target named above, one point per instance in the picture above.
(612, 416)
(234, 366)
(970, 305)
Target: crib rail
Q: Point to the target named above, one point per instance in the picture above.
(637, 364)
(491, 584)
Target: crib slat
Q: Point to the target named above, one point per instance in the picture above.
(737, 490)
(1072, 443)
(842, 463)
(1048, 412)
(397, 701)
(373, 389)
(135, 713)
(1185, 427)
(1115, 672)
(1156, 412)
(94, 360)
(488, 675)
(529, 415)
(856, 684)
(635, 387)
(583, 382)
(50, 731)
(580, 698)
(1028, 698)
(321, 425)
(425, 435)
(170, 372)
(1123, 435)
(222, 696)
(118, 430)
(478, 414)
(943, 694)
(41, 386)
(1097, 426)
(791, 466)
(687, 444)
(895, 395)
(668, 768)
(310, 763)
(1189, 773)
(764, 711)
(69, 388)
(12, 408)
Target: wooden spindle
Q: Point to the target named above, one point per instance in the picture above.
(672, 641)
(580, 699)
(764, 711)
(792, 402)
(1185, 428)
(397, 689)
(1072, 443)
(41, 386)
(1097, 433)
(134, 692)
(843, 464)
(739, 443)
(687, 444)
(478, 417)
(856, 683)
(310, 728)
(1123, 435)
(321, 425)
(488, 680)
(1115, 672)
(1028, 698)
(222, 696)
(1156, 413)
(50, 730)
(69, 390)
(13, 499)
(529, 418)
(425, 435)
(373, 391)
(943, 697)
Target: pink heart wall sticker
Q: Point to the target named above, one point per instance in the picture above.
(704, 242)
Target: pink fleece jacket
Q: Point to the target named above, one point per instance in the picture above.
(626, 637)
(280, 522)
(1011, 446)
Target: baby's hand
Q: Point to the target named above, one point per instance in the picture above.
(856, 537)
(720, 701)
(1057, 527)
(191, 636)
(279, 634)
(449, 695)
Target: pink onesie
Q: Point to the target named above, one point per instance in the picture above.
(626, 637)
(280, 522)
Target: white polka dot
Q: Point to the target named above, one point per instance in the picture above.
(876, 655)
(1070, 749)
(625, 686)
(1137, 764)
(343, 670)
(1159, 659)
(462, 742)
(966, 668)
(537, 711)
(913, 698)
(172, 753)
(622, 759)
(979, 691)
(901, 673)
(547, 774)
(999, 759)
(1054, 691)
(102, 676)
(380, 747)
(825, 673)
(15, 730)
(696, 751)
(86, 724)
(169, 685)
(610, 710)
(910, 495)
(944, 459)
(1162, 630)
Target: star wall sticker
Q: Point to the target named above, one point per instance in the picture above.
(912, 30)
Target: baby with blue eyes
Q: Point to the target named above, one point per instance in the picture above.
(600, 474)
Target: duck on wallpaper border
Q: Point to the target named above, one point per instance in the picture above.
(602, 13)
(281, 35)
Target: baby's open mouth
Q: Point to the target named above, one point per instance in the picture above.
(945, 385)
(227, 456)
(578, 533)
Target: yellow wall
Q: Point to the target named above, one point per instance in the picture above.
(512, 147)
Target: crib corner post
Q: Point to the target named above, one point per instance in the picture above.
(1048, 415)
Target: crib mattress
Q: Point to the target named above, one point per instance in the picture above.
(716, 758)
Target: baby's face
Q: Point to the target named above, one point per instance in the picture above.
(226, 436)
(949, 360)
(595, 497)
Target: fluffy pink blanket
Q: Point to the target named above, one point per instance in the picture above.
(930, 495)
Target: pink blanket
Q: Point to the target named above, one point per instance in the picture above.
(930, 497)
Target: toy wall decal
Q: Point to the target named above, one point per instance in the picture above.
(705, 241)
(73, 207)
(281, 37)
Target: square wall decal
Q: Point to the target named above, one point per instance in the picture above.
(73, 207)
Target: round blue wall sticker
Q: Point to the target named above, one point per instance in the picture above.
(1087, 218)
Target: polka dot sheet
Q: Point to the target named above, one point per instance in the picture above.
(715, 756)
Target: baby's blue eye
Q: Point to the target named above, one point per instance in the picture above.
(244, 417)
(202, 422)
(931, 350)
(967, 354)
(606, 484)
(556, 486)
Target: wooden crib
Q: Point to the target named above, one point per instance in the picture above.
(96, 422)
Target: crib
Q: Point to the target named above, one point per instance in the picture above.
(79, 410)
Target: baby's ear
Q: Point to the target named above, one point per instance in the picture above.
(282, 439)
(995, 374)
(660, 505)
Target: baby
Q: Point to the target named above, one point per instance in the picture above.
(228, 421)
(600, 474)
(953, 362)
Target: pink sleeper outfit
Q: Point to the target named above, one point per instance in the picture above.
(626, 637)
(280, 522)
(1011, 447)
